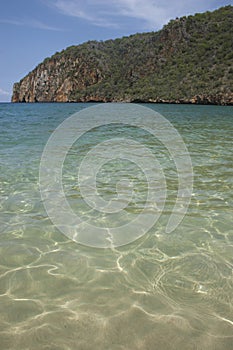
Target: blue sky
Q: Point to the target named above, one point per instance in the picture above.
(31, 30)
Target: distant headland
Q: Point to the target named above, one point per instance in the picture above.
(190, 60)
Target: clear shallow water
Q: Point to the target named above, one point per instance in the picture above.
(164, 291)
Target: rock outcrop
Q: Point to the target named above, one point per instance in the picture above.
(189, 61)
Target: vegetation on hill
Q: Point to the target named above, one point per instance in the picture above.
(189, 60)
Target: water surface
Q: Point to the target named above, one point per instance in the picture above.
(163, 291)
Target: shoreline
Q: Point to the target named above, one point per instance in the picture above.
(169, 102)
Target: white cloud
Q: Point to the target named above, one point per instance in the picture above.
(152, 13)
(33, 23)
(91, 11)
(4, 93)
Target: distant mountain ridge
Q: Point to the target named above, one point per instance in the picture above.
(190, 60)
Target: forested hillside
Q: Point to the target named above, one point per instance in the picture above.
(189, 61)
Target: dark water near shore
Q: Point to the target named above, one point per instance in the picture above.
(163, 291)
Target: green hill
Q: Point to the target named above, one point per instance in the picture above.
(189, 61)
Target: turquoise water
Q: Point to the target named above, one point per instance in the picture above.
(162, 291)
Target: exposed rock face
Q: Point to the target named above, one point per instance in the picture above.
(188, 61)
(54, 81)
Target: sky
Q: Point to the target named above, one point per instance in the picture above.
(31, 30)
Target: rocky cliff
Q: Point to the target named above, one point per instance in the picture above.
(189, 61)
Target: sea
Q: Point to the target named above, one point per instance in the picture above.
(154, 288)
